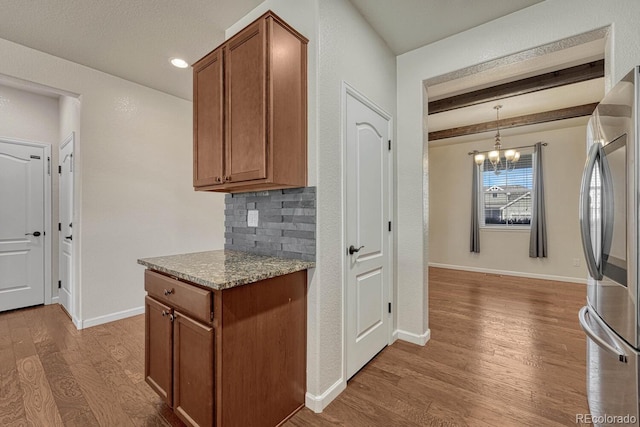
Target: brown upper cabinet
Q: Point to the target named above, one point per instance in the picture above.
(250, 110)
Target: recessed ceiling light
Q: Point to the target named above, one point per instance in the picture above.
(180, 63)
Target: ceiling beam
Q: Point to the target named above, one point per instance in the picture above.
(579, 73)
(513, 122)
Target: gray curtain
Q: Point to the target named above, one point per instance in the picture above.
(475, 225)
(538, 238)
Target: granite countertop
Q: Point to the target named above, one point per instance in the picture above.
(224, 269)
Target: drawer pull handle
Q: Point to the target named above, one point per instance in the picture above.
(168, 292)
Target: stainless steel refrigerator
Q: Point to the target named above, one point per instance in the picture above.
(609, 227)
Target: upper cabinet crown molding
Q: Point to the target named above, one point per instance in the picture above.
(250, 110)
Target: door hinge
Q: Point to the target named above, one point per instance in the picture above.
(389, 145)
(59, 169)
(48, 165)
(389, 308)
(389, 225)
(211, 317)
(59, 284)
(59, 227)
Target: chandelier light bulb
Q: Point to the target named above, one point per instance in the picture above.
(510, 154)
(479, 158)
(516, 157)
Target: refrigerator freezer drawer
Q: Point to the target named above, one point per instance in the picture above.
(612, 374)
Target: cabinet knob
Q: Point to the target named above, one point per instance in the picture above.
(172, 318)
(164, 313)
(227, 178)
(218, 179)
(168, 292)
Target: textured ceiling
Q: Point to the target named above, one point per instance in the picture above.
(132, 39)
(408, 24)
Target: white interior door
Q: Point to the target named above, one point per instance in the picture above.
(367, 230)
(22, 225)
(66, 225)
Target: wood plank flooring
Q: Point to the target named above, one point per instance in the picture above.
(504, 351)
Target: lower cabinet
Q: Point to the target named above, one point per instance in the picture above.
(193, 374)
(158, 349)
(242, 363)
(179, 356)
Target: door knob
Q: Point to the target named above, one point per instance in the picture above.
(353, 250)
(34, 234)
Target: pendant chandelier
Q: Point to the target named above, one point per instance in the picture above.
(511, 156)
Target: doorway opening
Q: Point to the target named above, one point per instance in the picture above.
(39, 117)
(547, 95)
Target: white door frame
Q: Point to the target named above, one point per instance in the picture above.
(347, 89)
(48, 286)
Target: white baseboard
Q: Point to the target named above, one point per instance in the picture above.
(95, 321)
(421, 339)
(582, 280)
(55, 300)
(318, 403)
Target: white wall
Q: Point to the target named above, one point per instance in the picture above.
(542, 23)
(342, 47)
(33, 117)
(29, 116)
(503, 251)
(136, 196)
(350, 51)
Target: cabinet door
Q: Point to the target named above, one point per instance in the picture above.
(193, 371)
(246, 137)
(208, 125)
(158, 348)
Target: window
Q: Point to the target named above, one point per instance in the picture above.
(506, 197)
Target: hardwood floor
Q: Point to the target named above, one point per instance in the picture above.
(504, 351)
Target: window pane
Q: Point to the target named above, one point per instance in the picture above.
(507, 195)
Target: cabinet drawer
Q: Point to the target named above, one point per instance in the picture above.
(189, 298)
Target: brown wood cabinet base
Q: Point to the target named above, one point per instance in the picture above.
(246, 368)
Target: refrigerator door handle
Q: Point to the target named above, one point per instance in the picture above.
(584, 323)
(592, 266)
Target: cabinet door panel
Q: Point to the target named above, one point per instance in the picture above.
(193, 371)
(246, 138)
(208, 125)
(158, 348)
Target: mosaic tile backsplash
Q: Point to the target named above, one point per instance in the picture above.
(286, 225)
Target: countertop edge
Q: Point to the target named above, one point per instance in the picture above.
(230, 284)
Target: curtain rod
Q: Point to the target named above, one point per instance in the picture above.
(544, 144)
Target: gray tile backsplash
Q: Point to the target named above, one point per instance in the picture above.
(286, 223)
